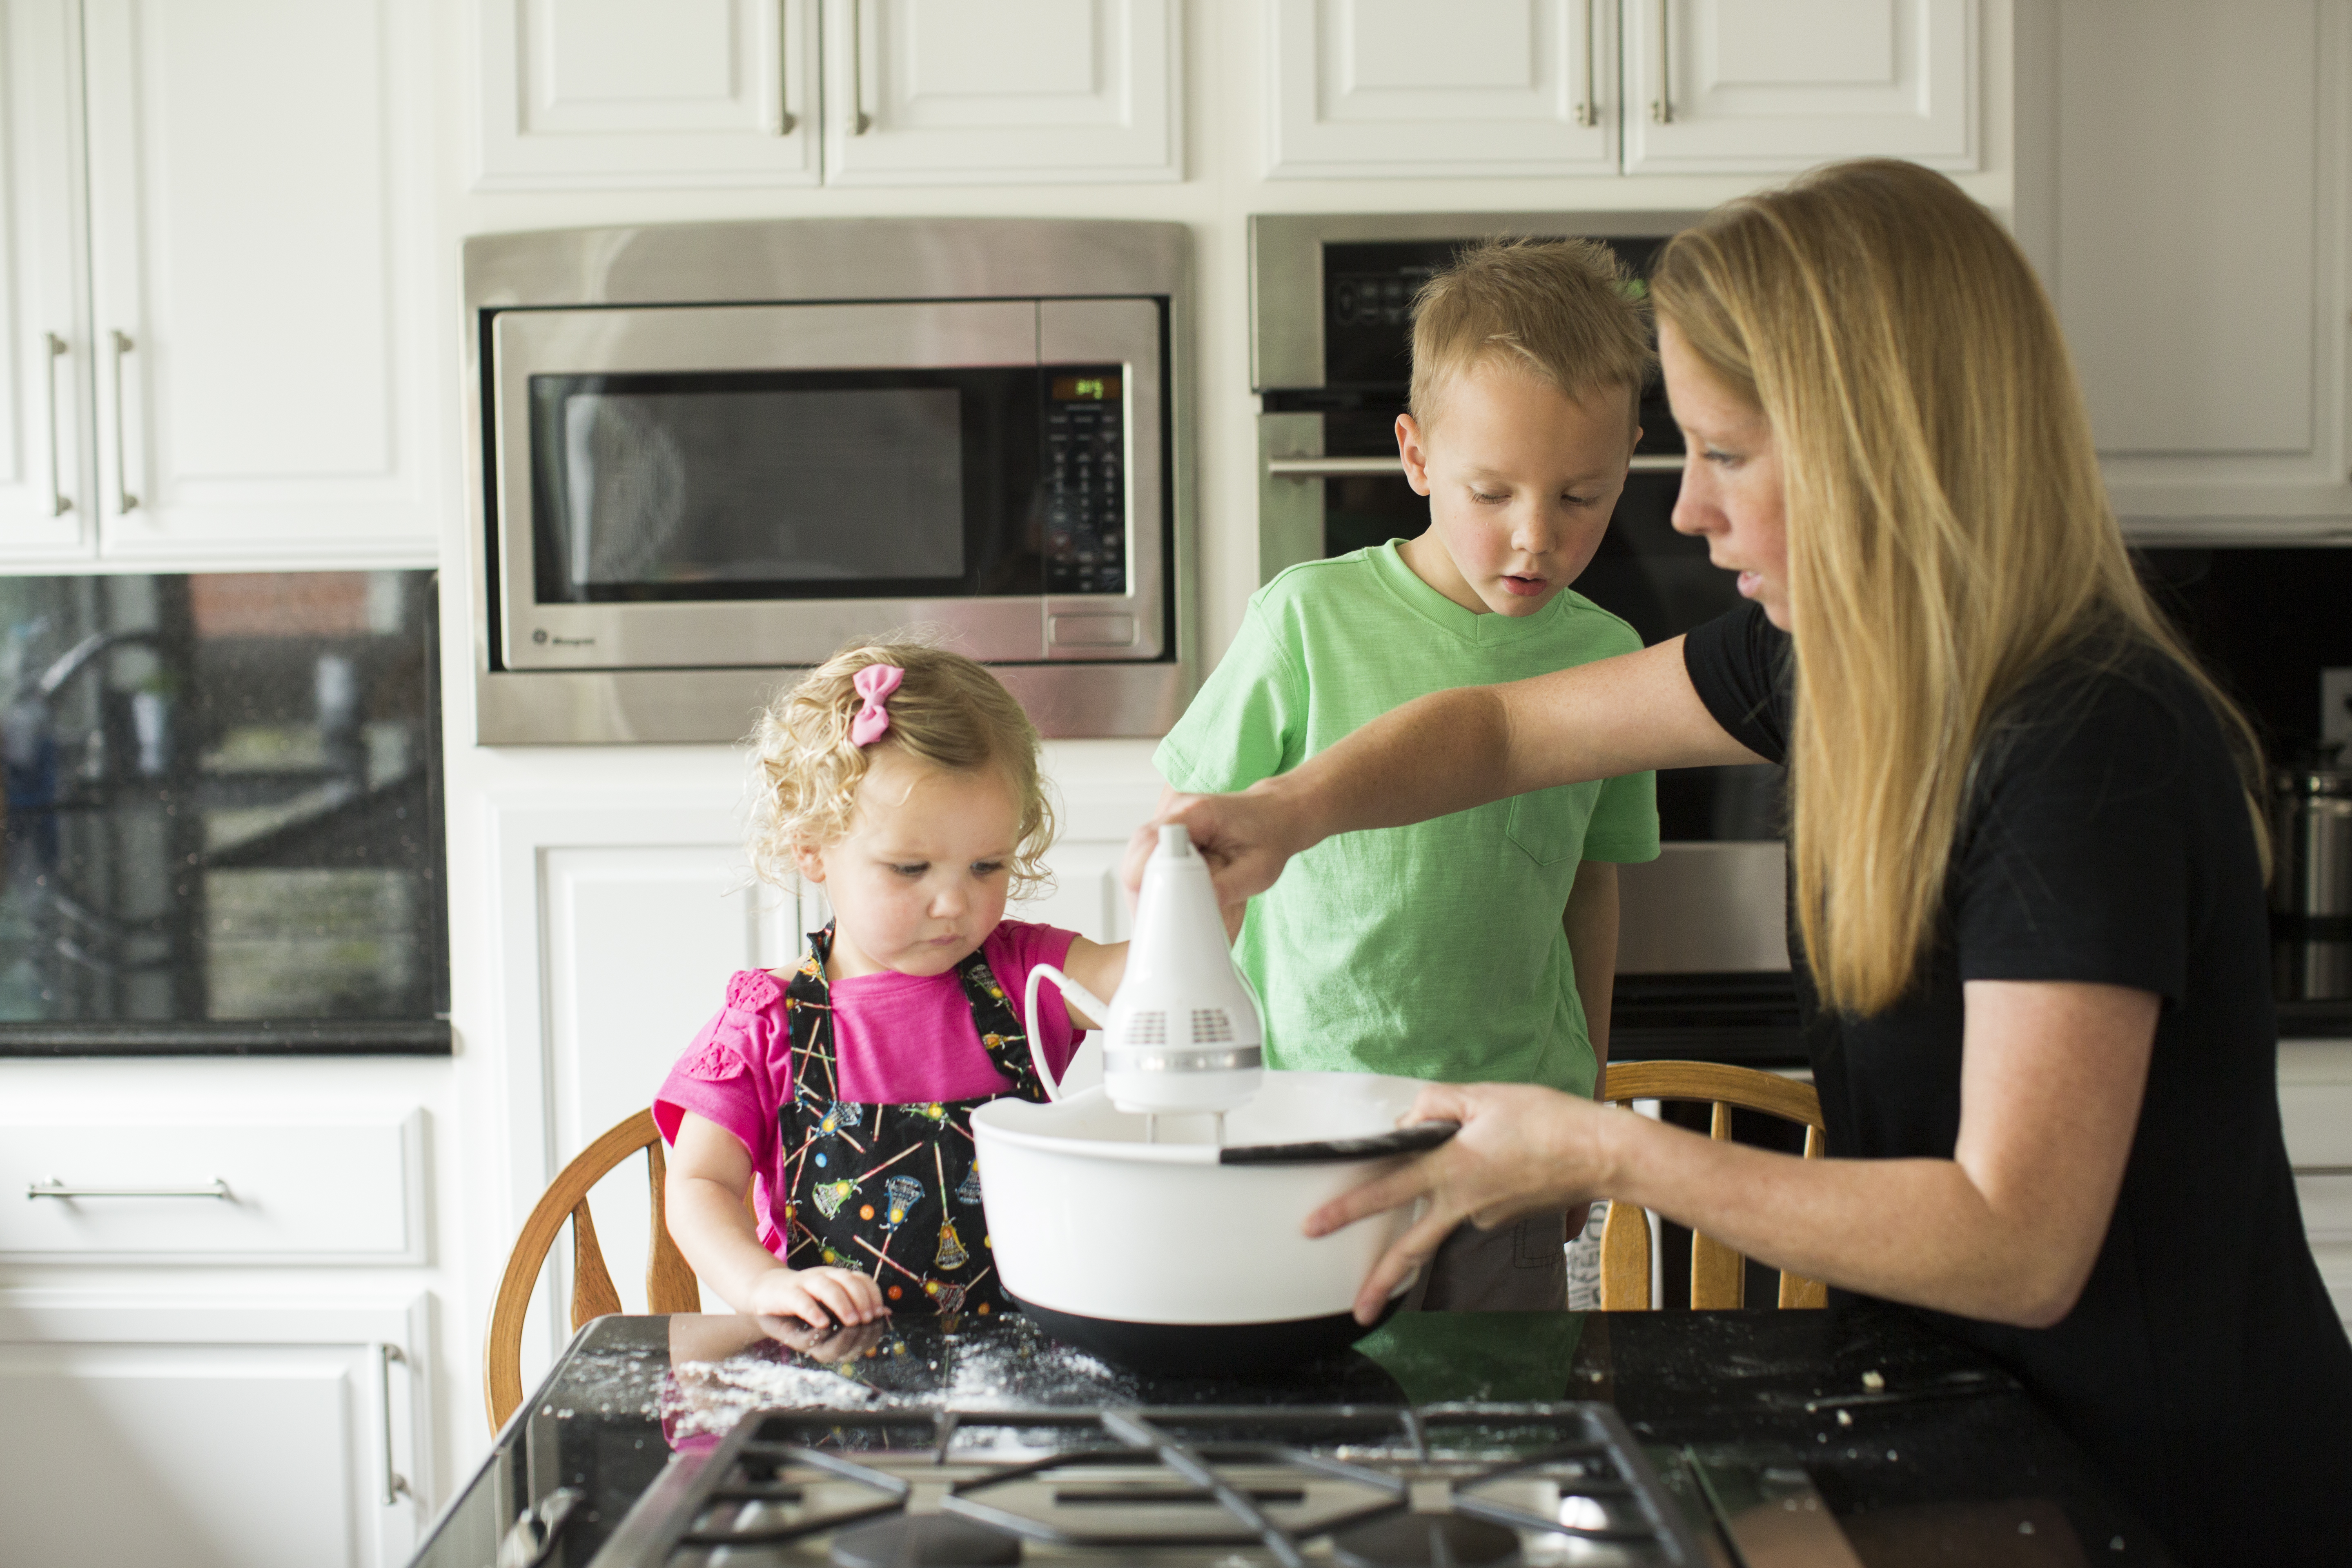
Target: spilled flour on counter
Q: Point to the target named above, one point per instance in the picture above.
(1012, 1366)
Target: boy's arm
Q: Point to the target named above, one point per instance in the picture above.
(1590, 921)
(709, 1171)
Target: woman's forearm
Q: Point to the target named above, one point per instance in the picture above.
(1454, 750)
(1916, 1231)
(1444, 753)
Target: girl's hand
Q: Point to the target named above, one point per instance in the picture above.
(821, 1298)
(1522, 1150)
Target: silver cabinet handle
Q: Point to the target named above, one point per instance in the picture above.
(1662, 108)
(129, 502)
(60, 503)
(395, 1484)
(859, 122)
(785, 123)
(52, 1188)
(1345, 467)
(1588, 111)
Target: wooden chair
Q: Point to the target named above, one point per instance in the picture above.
(1718, 1274)
(670, 1285)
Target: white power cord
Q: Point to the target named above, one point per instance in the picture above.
(1095, 1008)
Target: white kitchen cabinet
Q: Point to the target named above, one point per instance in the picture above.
(211, 1432)
(754, 92)
(2180, 185)
(2315, 1104)
(1383, 89)
(45, 504)
(217, 210)
(1374, 87)
(613, 93)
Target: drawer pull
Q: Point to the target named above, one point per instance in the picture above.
(2323, 1170)
(52, 1188)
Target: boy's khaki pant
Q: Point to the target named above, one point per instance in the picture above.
(1518, 1268)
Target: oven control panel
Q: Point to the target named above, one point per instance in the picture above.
(1086, 481)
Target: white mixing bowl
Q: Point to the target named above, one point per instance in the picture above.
(1161, 1253)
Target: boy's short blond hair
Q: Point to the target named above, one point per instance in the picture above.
(1565, 311)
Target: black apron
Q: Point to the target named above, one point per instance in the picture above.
(892, 1190)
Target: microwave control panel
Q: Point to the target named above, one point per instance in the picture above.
(1086, 481)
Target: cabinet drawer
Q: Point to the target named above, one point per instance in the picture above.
(252, 1192)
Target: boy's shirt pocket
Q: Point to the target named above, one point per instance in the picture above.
(1548, 825)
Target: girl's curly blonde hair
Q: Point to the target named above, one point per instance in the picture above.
(949, 711)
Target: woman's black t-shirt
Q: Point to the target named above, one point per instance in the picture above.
(2106, 839)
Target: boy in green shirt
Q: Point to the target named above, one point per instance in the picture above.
(1479, 947)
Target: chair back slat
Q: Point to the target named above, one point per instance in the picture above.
(1625, 1260)
(593, 1295)
(1718, 1272)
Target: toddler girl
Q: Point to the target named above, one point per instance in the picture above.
(904, 779)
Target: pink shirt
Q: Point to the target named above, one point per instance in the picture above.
(898, 1039)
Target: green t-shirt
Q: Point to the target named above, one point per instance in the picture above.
(1433, 950)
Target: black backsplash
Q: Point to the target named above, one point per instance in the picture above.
(224, 825)
(2267, 621)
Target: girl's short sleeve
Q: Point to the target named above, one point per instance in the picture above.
(733, 1075)
(1012, 950)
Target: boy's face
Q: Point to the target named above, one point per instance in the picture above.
(1520, 479)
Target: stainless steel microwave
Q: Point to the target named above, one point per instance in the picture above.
(708, 455)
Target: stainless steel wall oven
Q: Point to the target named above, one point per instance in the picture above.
(706, 454)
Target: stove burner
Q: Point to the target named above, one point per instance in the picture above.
(1426, 1540)
(925, 1541)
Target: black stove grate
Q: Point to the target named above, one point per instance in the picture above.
(1365, 1480)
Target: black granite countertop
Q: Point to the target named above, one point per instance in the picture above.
(1915, 1442)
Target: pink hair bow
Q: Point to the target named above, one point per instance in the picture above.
(875, 683)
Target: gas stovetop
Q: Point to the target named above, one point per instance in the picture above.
(1239, 1488)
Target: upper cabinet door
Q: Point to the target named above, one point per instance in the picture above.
(1388, 89)
(2191, 227)
(619, 93)
(260, 278)
(1756, 85)
(45, 500)
(936, 91)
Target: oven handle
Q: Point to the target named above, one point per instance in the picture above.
(1346, 467)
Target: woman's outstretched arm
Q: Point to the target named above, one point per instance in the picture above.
(2006, 1230)
(1454, 750)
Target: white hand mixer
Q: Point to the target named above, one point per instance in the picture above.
(1184, 1034)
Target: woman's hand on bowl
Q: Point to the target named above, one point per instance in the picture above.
(1522, 1150)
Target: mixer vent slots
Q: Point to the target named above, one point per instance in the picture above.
(1147, 1029)
(1212, 1025)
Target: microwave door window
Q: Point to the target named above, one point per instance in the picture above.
(737, 487)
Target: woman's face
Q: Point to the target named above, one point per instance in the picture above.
(1731, 494)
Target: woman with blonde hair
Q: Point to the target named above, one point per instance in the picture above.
(2027, 866)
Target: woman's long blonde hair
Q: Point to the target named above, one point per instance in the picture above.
(1948, 531)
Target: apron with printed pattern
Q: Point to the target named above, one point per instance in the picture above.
(892, 1190)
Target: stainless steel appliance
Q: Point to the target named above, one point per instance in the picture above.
(1701, 942)
(1362, 1486)
(704, 453)
(2311, 828)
